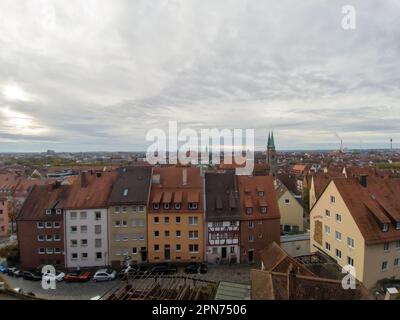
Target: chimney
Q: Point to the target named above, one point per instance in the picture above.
(156, 178)
(184, 176)
(364, 180)
(84, 179)
(392, 294)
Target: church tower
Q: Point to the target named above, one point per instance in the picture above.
(271, 154)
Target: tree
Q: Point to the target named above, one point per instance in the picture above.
(14, 206)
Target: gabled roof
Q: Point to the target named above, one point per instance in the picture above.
(132, 186)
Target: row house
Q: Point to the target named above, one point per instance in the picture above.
(222, 218)
(127, 215)
(260, 217)
(41, 226)
(175, 218)
(86, 220)
(356, 221)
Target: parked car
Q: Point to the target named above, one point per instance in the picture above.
(129, 271)
(59, 276)
(14, 272)
(164, 268)
(80, 276)
(196, 267)
(104, 275)
(31, 275)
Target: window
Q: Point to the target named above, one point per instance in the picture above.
(84, 242)
(350, 261)
(251, 238)
(84, 255)
(83, 215)
(156, 233)
(249, 210)
(124, 209)
(178, 233)
(49, 225)
(74, 243)
(250, 224)
(177, 206)
(125, 238)
(125, 192)
(156, 247)
(338, 218)
(385, 227)
(97, 216)
(41, 251)
(350, 242)
(134, 223)
(287, 201)
(99, 255)
(338, 236)
(57, 237)
(178, 248)
(49, 250)
(57, 225)
(74, 229)
(193, 235)
(166, 206)
(166, 233)
(166, 220)
(40, 238)
(333, 199)
(134, 250)
(398, 226)
(48, 211)
(386, 246)
(156, 220)
(397, 244)
(74, 256)
(40, 225)
(141, 223)
(156, 206)
(327, 230)
(117, 223)
(193, 221)
(116, 210)
(327, 246)
(384, 265)
(178, 220)
(338, 254)
(141, 208)
(97, 229)
(58, 211)
(264, 210)
(134, 208)
(396, 262)
(141, 237)
(193, 205)
(193, 248)
(260, 193)
(327, 213)
(73, 215)
(57, 250)
(232, 249)
(124, 223)
(83, 229)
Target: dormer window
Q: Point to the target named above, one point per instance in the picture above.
(58, 211)
(177, 206)
(156, 206)
(385, 227)
(166, 206)
(48, 211)
(192, 205)
(249, 210)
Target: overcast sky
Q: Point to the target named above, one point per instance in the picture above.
(96, 75)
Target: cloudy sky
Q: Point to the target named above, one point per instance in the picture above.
(96, 75)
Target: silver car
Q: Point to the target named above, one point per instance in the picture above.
(104, 275)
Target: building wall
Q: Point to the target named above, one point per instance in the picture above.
(264, 233)
(375, 255)
(4, 219)
(90, 235)
(127, 243)
(184, 255)
(231, 245)
(296, 245)
(29, 243)
(291, 213)
(347, 228)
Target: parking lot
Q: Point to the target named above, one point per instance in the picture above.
(87, 290)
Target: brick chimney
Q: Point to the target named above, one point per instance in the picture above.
(84, 179)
